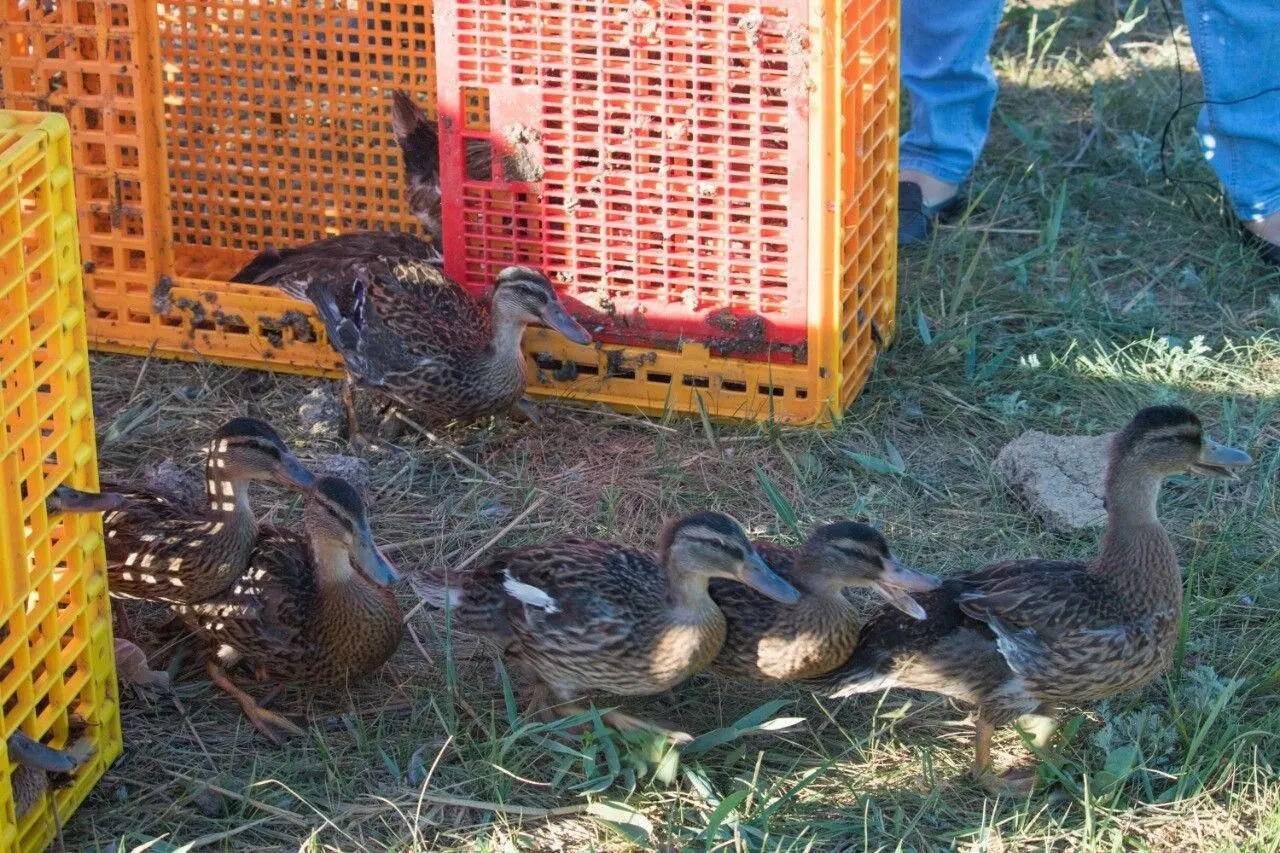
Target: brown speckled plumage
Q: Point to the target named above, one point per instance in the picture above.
(411, 334)
(1027, 636)
(159, 547)
(616, 629)
(302, 612)
(769, 641)
(401, 326)
(419, 142)
(589, 617)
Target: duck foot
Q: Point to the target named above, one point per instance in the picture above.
(272, 726)
(1012, 783)
(124, 628)
(359, 444)
(527, 410)
(627, 723)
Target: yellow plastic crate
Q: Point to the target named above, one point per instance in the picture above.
(56, 650)
(732, 231)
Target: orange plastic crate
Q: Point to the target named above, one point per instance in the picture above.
(713, 184)
(56, 652)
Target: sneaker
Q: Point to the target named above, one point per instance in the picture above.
(916, 220)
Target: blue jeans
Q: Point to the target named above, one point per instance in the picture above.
(1237, 43)
(946, 70)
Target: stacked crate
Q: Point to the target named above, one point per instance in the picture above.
(55, 624)
(713, 183)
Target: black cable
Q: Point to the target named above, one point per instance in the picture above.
(1185, 104)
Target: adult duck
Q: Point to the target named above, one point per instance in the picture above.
(1020, 639)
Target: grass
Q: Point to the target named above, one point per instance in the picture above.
(1080, 287)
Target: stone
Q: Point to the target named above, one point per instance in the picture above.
(350, 468)
(320, 412)
(1060, 477)
(184, 488)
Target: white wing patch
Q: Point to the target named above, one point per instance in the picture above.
(528, 594)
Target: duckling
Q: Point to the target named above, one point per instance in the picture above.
(415, 336)
(419, 141)
(584, 616)
(40, 768)
(313, 609)
(161, 549)
(767, 641)
(1020, 639)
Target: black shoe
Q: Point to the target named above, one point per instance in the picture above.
(1268, 252)
(916, 219)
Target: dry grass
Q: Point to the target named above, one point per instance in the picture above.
(1046, 310)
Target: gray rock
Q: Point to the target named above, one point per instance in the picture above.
(320, 412)
(350, 468)
(1060, 477)
(184, 488)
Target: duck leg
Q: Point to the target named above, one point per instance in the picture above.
(527, 409)
(538, 701)
(354, 436)
(124, 628)
(273, 726)
(981, 767)
(1041, 727)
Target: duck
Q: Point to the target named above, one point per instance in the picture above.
(770, 642)
(1020, 640)
(418, 137)
(414, 336)
(583, 616)
(312, 608)
(38, 768)
(160, 547)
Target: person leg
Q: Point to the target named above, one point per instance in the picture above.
(1237, 43)
(946, 70)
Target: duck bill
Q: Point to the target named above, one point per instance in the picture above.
(896, 583)
(31, 753)
(67, 499)
(556, 317)
(1219, 460)
(293, 473)
(764, 580)
(371, 562)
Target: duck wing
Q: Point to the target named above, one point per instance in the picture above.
(1062, 630)
(265, 614)
(955, 649)
(578, 596)
(275, 266)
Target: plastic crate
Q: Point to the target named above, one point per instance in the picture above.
(714, 184)
(56, 647)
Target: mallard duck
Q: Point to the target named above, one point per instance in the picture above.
(767, 641)
(583, 616)
(312, 609)
(419, 141)
(160, 548)
(1021, 638)
(39, 768)
(416, 337)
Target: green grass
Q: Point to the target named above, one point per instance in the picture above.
(1080, 288)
